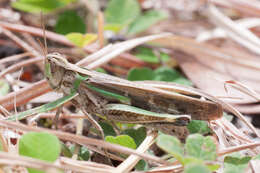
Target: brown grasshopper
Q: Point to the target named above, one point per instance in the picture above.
(128, 102)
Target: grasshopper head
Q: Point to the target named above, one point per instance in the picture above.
(54, 69)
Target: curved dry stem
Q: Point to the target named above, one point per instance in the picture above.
(132, 160)
(82, 140)
(11, 159)
(101, 29)
(20, 65)
(14, 57)
(240, 34)
(244, 89)
(21, 43)
(37, 32)
(24, 95)
(238, 148)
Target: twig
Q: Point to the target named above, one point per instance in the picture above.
(20, 42)
(240, 34)
(238, 148)
(14, 57)
(19, 65)
(101, 29)
(37, 31)
(82, 140)
(132, 160)
(11, 159)
(25, 94)
(79, 129)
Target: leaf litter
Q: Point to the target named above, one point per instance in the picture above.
(228, 58)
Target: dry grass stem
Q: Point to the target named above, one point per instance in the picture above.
(19, 65)
(132, 160)
(14, 57)
(24, 95)
(101, 29)
(11, 159)
(81, 140)
(214, 44)
(235, 31)
(238, 148)
(21, 43)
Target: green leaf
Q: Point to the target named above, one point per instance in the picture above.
(123, 140)
(84, 153)
(113, 27)
(183, 81)
(196, 167)
(107, 129)
(236, 159)
(235, 163)
(138, 74)
(122, 12)
(161, 74)
(198, 126)
(66, 150)
(147, 55)
(124, 126)
(170, 75)
(68, 22)
(166, 74)
(193, 160)
(164, 57)
(213, 167)
(257, 157)
(39, 145)
(189, 160)
(101, 70)
(142, 166)
(201, 147)
(36, 6)
(75, 38)
(171, 145)
(148, 19)
(4, 88)
(227, 116)
(137, 134)
(80, 39)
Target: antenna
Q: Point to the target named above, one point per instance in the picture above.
(44, 47)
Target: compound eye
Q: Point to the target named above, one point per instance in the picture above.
(56, 53)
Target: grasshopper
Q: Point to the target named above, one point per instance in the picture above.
(124, 101)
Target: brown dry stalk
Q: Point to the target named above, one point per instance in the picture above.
(68, 161)
(21, 43)
(132, 160)
(12, 159)
(101, 29)
(14, 57)
(19, 65)
(247, 7)
(238, 148)
(37, 32)
(60, 38)
(82, 140)
(7, 101)
(24, 95)
(193, 47)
